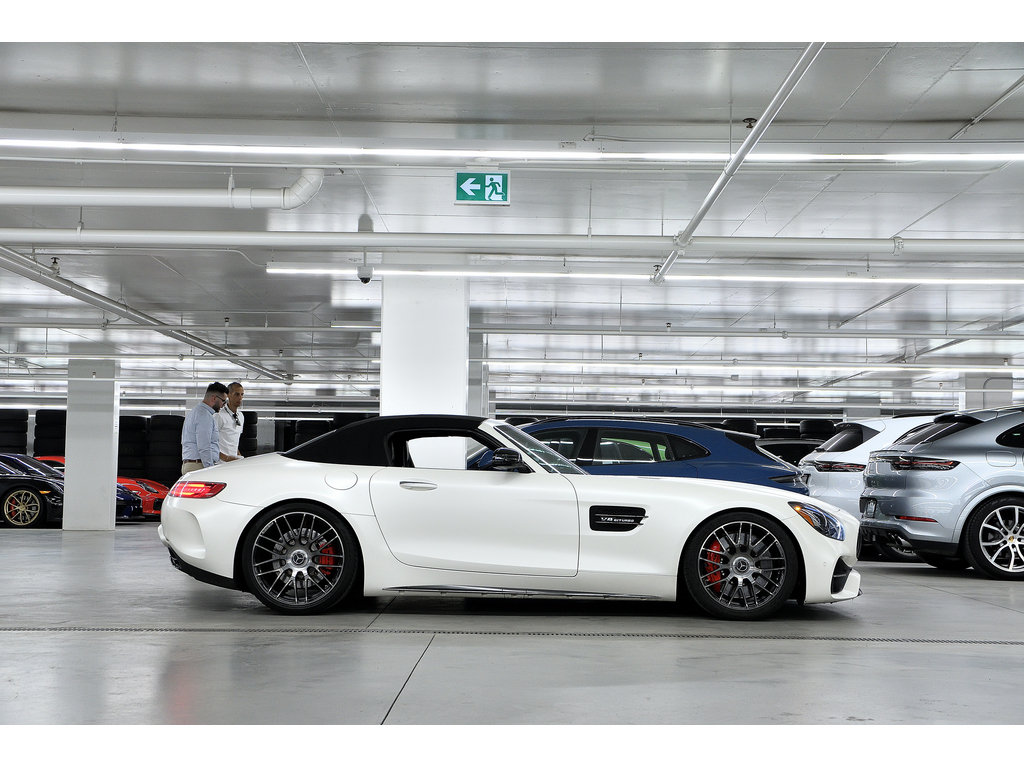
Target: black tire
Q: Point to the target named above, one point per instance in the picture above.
(49, 447)
(290, 559)
(944, 562)
(50, 432)
(994, 538)
(740, 565)
(51, 416)
(898, 551)
(133, 424)
(23, 508)
(163, 448)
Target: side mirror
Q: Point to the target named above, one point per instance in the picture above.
(506, 460)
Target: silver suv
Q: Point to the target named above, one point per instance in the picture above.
(954, 489)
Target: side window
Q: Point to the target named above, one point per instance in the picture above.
(625, 446)
(1012, 438)
(567, 442)
(684, 449)
(441, 452)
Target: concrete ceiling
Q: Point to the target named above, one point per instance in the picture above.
(892, 150)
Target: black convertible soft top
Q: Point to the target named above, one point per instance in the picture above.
(380, 441)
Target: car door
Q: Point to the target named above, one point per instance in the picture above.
(478, 520)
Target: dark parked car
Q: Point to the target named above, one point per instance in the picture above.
(33, 493)
(667, 448)
(29, 499)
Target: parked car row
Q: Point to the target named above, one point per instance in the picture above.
(150, 492)
(32, 494)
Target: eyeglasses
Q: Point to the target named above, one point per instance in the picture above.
(221, 398)
(235, 417)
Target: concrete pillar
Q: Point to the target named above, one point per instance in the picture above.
(994, 390)
(479, 394)
(862, 408)
(424, 365)
(90, 475)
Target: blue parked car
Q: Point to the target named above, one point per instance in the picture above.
(605, 446)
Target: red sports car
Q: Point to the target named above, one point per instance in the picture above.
(151, 492)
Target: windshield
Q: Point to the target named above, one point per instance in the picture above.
(29, 466)
(552, 461)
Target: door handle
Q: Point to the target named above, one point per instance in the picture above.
(417, 485)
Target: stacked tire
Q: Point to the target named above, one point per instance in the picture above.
(284, 434)
(307, 429)
(132, 445)
(13, 430)
(163, 448)
(248, 443)
(50, 436)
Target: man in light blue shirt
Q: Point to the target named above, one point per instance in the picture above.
(200, 443)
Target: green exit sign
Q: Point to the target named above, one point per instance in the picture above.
(481, 187)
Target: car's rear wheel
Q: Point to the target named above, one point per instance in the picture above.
(740, 565)
(994, 538)
(943, 562)
(300, 558)
(23, 508)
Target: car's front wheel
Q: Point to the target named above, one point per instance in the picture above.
(741, 565)
(994, 538)
(300, 558)
(23, 508)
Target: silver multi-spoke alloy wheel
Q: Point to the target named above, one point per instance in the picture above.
(741, 565)
(995, 539)
(23, 508)
(299, 559)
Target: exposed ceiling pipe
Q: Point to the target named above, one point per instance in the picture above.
(26, 267)
(991, 108)
(640, 246)
(683, 237)
(299, 193)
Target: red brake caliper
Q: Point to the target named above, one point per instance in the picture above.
(326, 558)
(711, 567)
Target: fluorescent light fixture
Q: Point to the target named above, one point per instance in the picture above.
(478, 155)
(681, 274)
(726, 367)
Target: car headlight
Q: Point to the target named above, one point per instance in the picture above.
(820, 520)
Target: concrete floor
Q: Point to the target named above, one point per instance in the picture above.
(98, 628)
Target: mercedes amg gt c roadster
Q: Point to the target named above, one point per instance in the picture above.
(386, 506)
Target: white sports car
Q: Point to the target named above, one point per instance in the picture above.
(386, 506)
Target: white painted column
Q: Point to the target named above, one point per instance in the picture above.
(424, 366)
(479, 393)
(995, 390)
(91, 446)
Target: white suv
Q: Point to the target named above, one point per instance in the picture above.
(834, 471)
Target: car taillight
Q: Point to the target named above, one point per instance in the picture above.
(193, 489)
(919, 462)
(837, 466)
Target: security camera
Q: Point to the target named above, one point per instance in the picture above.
(364, 273)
